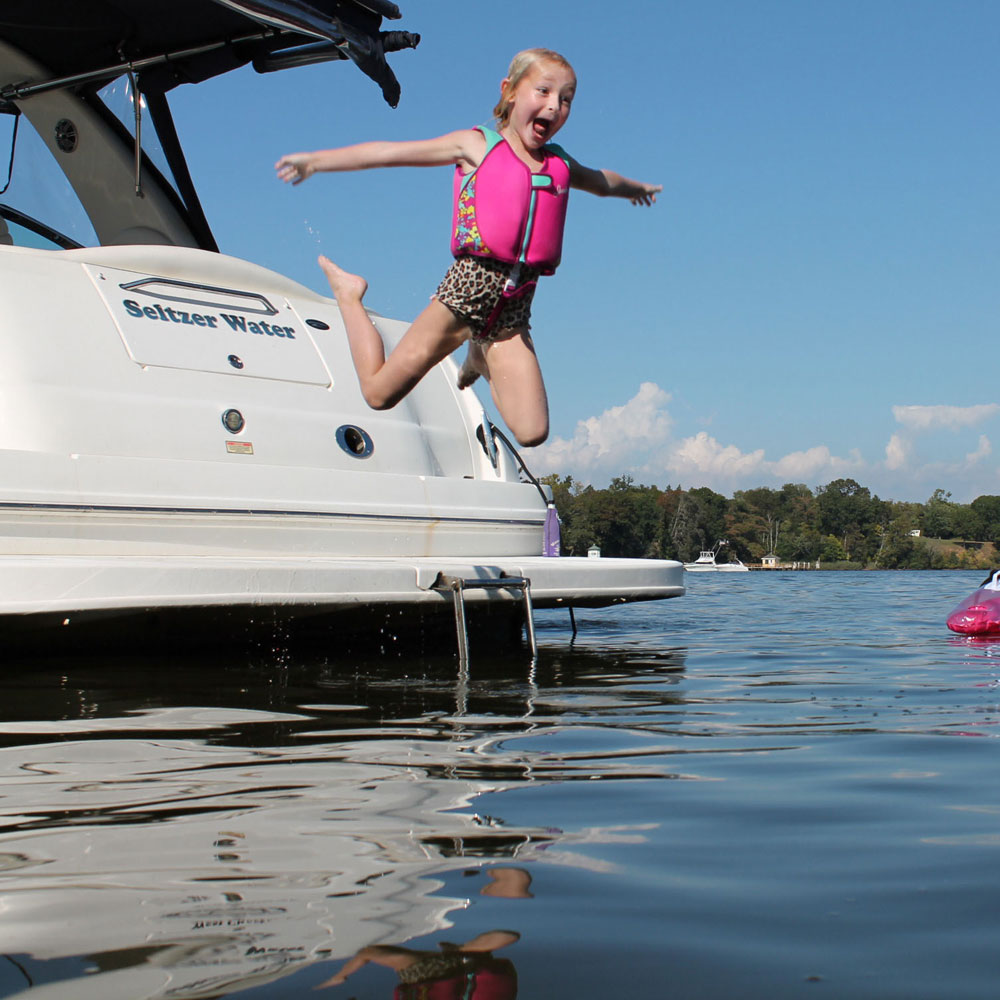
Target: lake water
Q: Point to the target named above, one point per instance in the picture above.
(781, 785)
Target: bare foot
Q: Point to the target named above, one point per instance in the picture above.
(344, 285)
(473, 366)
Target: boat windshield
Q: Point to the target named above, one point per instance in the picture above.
(118, 97)
(38, 204)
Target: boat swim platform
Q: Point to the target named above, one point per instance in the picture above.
(42, 592)
(345, 605)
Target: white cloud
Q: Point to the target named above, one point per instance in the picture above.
(609, 443)
(702, 455)
(984, 450)
(923, 418)
(642, 419)
(802, 466)
(897, 451)
(636, 438)
(702, 459)
(915, 475)
(907, 454)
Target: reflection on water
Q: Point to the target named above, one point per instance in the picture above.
(468, 970)
(767, 784)
(230, 823)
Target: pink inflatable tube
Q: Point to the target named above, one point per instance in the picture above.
(979, 613)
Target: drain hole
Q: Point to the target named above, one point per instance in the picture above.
(355, 441)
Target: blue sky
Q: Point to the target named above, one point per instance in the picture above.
(816, 293)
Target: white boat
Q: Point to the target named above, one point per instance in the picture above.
(706, 562)
(181, 430)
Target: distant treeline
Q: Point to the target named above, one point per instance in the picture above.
(840, 523)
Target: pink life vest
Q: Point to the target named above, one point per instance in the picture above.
(505, 211)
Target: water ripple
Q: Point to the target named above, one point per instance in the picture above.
(774, 778)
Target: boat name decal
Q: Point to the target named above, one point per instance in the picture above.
(168, 314)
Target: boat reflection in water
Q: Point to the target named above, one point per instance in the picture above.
(154, 849)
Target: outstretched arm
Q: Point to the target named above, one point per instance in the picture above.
(608, 184)
(465, 147)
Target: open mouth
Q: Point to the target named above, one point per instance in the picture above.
(541, 127)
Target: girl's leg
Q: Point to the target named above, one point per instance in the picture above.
(391, 956)
(434, 334)
(517, 387)
(490, 941)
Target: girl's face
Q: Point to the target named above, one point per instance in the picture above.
(540, 103)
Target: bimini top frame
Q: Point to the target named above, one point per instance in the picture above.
(59, 54)
(187, 41)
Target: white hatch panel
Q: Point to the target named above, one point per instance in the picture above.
(169, 323)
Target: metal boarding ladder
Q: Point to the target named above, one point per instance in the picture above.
(458, 585)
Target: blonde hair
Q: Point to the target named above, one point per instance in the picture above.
(520, 65)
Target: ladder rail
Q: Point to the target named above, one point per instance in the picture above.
(458, 585)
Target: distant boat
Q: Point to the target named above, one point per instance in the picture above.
(705, 563)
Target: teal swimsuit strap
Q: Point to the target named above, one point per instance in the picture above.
(491, 137)
(557, 150)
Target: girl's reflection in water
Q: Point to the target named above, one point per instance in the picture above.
(466, 970)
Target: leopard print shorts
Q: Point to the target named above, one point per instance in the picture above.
(472, 288)
(433, 968)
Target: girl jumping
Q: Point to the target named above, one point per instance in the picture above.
(511, 190)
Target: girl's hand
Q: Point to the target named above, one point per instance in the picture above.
(295, 168)
(646, 194)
